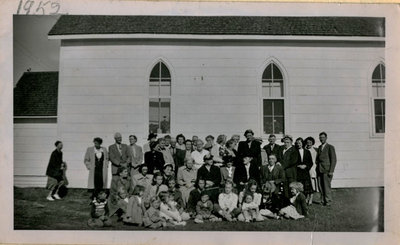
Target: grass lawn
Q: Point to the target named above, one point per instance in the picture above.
(353, 210)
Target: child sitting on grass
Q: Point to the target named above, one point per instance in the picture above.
(204, 210)
(135, 210)
(250, 209)
(298, 207)
(158, 185)
(152, 218)
(168, 209)
(99, 211)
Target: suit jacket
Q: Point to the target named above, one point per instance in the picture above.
(326, 159)
(213, 175)
(116, 158)
(241, 174)
(225, 174)
(154, 161)
(90, 165)
(277, 175)
(288, 161)
(274, 151)
(254, 150)
(138, 158)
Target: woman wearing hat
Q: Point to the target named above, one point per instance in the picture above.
(152, 138)
(154, 159)
(212, 175)
(246, 171)
(288, 159)
(251, 147)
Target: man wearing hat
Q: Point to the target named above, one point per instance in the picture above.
(212, 175)
(250, 147)
(246, 171)
(152, 137)
(288, 160)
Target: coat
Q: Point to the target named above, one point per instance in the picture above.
(277, 175)
(241, 174)
(154, 161)
(326, 159)
(90, 165)
(54, 167)
(288, 161)
(304, 174)
(254, 150)
(135, 211)
(117, 158)
(274, 151)
(137, 159)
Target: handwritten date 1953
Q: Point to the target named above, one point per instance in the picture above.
(38, 7)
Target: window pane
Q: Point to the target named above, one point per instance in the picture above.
(383, 72)
(379, 124)
(279, 125)
(155, 73)
(154, 113)
(154, 89)
(278, 108)
(165, 89)
(277, 73)
(164, 71)
(277, 89)
(267, 72)
(377, 73)
(267, 107)
(379, 106)
(268, 125)
(381, 91)
(165, 116)
(266, 91)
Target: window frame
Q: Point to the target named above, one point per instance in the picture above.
(372, 90)
(284, 98)
(149, 97)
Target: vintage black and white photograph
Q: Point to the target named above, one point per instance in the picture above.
(199, 122)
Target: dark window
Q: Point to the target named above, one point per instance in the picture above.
(378, 94)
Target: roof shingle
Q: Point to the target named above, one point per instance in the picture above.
(220, 25)
(36, 94)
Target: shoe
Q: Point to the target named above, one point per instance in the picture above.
(56, 196)
(49, 198)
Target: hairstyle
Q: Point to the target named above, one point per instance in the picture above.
(250, 184)
(163, 195)
(272, 135)
(296, 185)
(121, 169)
(197, 182)
(323, 133)
(152, 135)
(117, 135)
(204, 193)
(160, 139)
(180, 136)
(195, 136)
(228, 182)
(155, 177)
(168, 165)
(134, 136)
(199, 140)
(154, 199)
(311, 139)
(167, 137)
(235, 136)
(137, 189)
(57, 142)
(142, 166)
(186, 160)
(302, 141)
(98, 140)
(273, 155)
(248, 131)
(99, 191)
(229, 143)
(210, 136)
(153, 144)
(188, 140)
(221, 138)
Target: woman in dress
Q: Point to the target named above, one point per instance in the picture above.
(55, 172)
(309, 145)
(304, 164)
(96, 161)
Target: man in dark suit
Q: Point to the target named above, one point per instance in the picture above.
(119, 154)
(273, 173)
(288, 159)
(246, 171)
(326, 162)
(250, 147)
(271, 147)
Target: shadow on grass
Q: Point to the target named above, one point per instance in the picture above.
(353, 210)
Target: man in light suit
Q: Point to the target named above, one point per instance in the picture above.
(119, 154)
(326, 163)
(288, 160)
(137, 155)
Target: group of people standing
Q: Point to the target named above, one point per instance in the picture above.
(171, 180)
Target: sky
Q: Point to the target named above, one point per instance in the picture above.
(32, 48)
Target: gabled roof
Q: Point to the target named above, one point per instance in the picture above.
(220, 25)
(36, 94)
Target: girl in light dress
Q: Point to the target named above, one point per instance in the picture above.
(298, 206)
(135, 209)
(168, 210)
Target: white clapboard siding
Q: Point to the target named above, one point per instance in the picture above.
(216, 90)
(33, 144)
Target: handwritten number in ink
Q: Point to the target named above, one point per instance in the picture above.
(55, 5)
(28, 6)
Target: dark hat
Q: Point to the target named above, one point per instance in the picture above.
(287, 137)
(248, 131)
(208, 157)
(247, 154)
(152, 135)
(168, 164)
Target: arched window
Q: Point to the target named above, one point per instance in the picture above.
(160, 99)
(273, 100)
(378, 98)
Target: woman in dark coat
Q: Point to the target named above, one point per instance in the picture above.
(154, 159)
(55, 172)
(304, 164)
